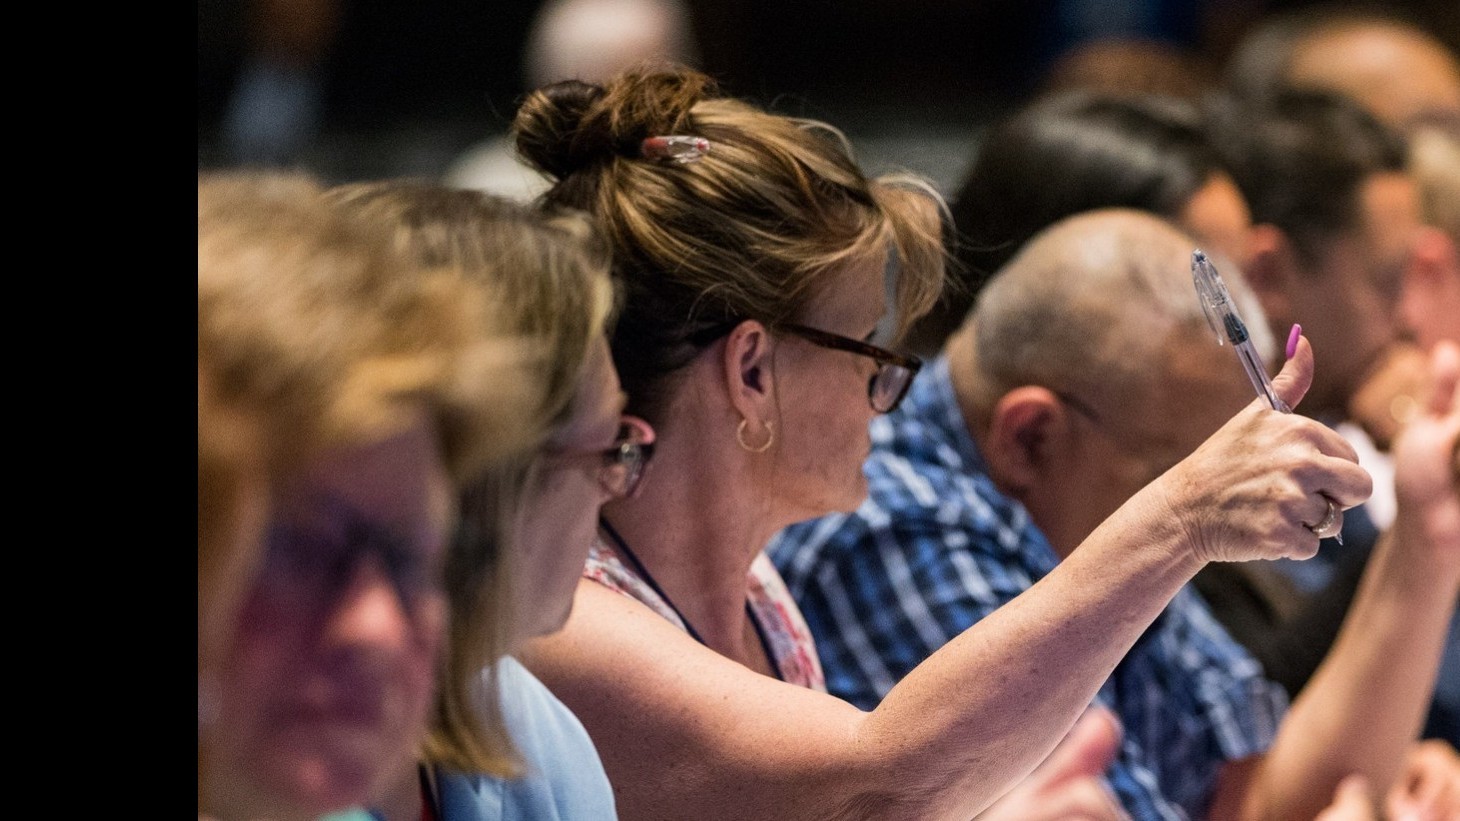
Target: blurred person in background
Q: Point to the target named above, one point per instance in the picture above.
(1337, 217)
(1395, 68)
(275, 107)
(1076, 151)
(998, 471)
(588, 40)
(1430, 301)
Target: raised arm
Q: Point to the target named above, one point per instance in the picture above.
(686, 733)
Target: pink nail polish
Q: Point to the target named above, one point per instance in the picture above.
(1293, 335)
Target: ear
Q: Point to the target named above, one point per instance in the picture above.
(1025, 433)
(1270, 272)
(746, 370)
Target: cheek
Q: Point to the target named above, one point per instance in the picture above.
(419, 675)
(836, 446)
(554, 537)
(263, 672)
(268, 647)
(563, 507)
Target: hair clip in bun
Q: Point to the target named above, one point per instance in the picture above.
(679, 148)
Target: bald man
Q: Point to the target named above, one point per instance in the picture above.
(1085, 371)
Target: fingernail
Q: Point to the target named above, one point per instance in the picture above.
(1293, 335)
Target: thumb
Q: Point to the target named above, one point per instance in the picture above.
(1292, 382)
(1087, 749)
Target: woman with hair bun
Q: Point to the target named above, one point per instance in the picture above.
(762, 272)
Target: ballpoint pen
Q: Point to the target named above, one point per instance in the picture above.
(1222, 315)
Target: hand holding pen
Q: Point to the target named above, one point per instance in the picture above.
(1222, 315)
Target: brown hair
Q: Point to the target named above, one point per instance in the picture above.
(751, 231)
(546, 278)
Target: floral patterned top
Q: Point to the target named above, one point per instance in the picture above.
(787, 637)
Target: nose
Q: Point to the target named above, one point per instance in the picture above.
(369, 612)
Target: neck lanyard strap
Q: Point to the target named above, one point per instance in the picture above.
(623, 548)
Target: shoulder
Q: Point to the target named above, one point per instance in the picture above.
(535, 717)
(606, 569)
(562, 777)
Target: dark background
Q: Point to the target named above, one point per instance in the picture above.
(408, 85)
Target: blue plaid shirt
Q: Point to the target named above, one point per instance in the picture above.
(936, 547)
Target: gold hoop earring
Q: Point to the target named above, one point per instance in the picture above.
(770, 431)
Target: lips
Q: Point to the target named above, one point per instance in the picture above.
(329, 702)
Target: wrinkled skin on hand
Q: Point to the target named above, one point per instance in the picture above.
(1249, 490)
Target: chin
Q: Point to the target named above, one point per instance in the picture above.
(856, 496)
(299, 786)
(329, 773)
(842, 503)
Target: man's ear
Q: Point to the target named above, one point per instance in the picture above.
(1271, 270)
(1025, 429)
(746, 370)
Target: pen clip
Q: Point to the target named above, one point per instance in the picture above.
(1212, 293)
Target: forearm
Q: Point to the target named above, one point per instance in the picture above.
(994, 701)
(1366, 702)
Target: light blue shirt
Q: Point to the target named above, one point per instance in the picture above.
(564, 778)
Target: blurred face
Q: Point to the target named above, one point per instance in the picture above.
(824, 406)
(1348, 305)
(332, 667)
(1395, 73)
(1201, 386)
(558, 520)
(1218, 217)
(1430, 305)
